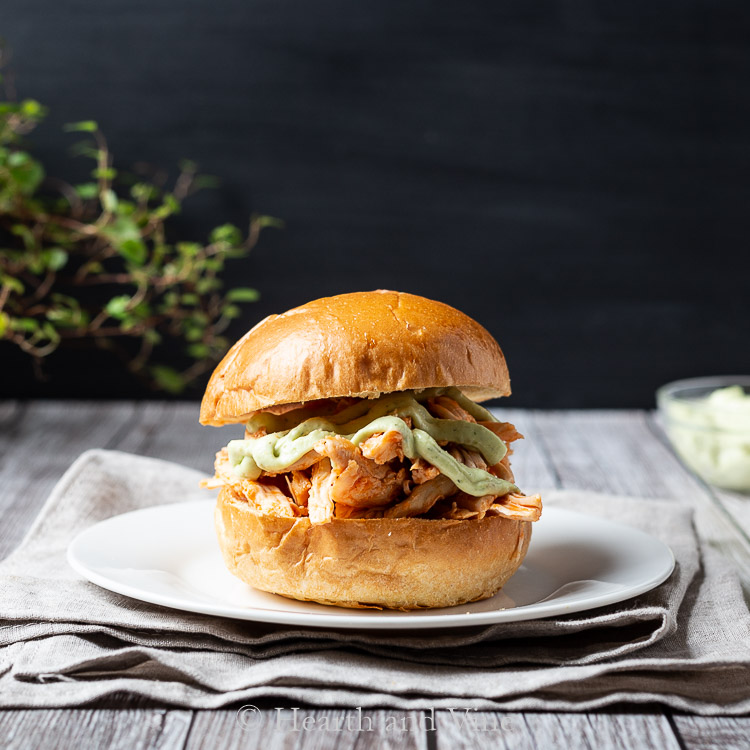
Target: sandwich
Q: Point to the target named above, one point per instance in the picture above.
(369, 475)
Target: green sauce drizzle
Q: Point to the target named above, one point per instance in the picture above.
(289, 440)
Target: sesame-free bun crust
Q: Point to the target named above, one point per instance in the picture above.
(361, 344)
(397, 563)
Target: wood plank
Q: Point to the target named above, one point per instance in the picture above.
(713, 732)
(616, 452)
(196, 447)
(628, 453)
(391, 728)
(612, 451)
(39, 444)
(509, 731)
(37, 449)
(531, 465)
(312, 729)
(122, 728)
(8, 411)
(722, 517)
(11, 415)
(171, 431)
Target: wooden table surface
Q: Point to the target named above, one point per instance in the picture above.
(609, 451)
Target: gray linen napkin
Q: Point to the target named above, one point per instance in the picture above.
(64, 641)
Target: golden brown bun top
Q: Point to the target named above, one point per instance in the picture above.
(361, 344)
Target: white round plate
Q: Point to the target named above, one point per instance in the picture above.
(169, 555)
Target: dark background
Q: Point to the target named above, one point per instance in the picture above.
(575, 175)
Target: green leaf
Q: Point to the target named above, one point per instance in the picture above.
(26, 172)
(50, 332)
(193, 332)
(36, 263)
(226, 233)
(104, 173)
(84, 148)
(171, 299)
(32, 177)
(4, 323)
(190, 299)
(126, 238)
(198, 351)
(18, 158)
(125, 208)
(231, 311)
(32, 109)
(22, 231)
(142, 191)
(134, 251)
(67, 311)
(55, 258)
(152, 336)
(243, 294)
(121, 229)
(65, 299)
(117, 307)
(171, 201)
(189, 249)
(109, 200)
(168, 378)
(268, 221)
(87, 190)
(28, 325)
(12, 283)
(170, 206)
(60, 315)
(213, 264)
(141, 311)
(84, 126)
(203, 286)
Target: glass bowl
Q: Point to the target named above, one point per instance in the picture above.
(707, 421)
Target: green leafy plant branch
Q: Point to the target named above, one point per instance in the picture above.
(57, 239)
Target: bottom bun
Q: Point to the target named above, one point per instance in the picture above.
(398, 563)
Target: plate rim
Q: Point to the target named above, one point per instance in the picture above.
(412, 620)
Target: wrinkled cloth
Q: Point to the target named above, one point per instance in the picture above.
(66, 642)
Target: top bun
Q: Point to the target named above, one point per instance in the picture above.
(361, 344)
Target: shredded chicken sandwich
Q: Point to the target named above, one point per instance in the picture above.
(432, 453)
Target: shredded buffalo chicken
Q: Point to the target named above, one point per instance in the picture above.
(375, 480)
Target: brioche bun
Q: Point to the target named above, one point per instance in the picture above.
(361, 344)
(399, 563)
